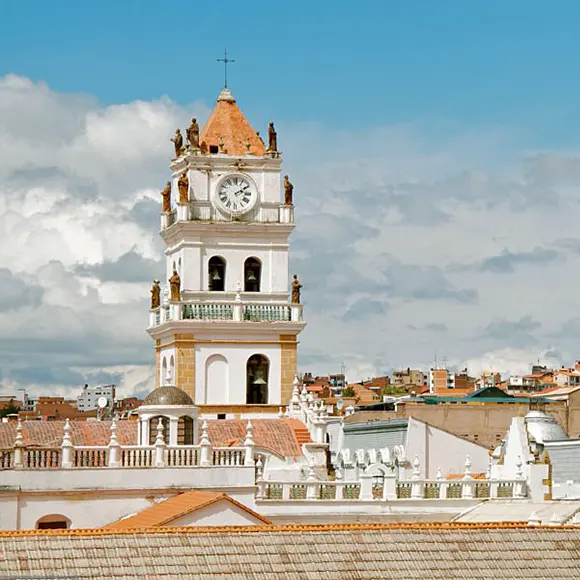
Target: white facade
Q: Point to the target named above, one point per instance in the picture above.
(89, 397)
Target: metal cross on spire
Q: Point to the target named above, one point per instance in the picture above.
(225, 60)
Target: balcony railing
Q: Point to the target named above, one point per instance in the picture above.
(391, 489)
(226, 311)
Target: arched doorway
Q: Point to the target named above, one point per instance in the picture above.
(252, 275)
(53, 522)
(153, 422)
(257, 377)
(216, 272)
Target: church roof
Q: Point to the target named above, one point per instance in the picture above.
(337, 552)
(281, 436)
(228, 126)
(169, 510)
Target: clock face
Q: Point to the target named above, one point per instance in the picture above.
(236, 195)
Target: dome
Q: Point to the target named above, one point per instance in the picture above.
(167, 396)
(543, 427)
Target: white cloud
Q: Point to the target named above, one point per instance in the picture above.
(402, 232)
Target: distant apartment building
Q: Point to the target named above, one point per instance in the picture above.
(88, 399)
(568, 377)
(441, 380)
(408, 378)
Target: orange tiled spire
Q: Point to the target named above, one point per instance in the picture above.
(229, 131)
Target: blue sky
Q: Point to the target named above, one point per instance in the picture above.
(434, 147)
(379, 61)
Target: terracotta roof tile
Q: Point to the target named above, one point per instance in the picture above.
(228, 125)
(276, 435)
(488, 552)
(165, 512)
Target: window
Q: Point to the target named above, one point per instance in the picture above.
(221, 416)
(185, 431)
(216, 274)
(153, 429)
(53, 522)
(252, 275)
(257, 373)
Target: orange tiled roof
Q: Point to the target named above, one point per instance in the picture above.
(165, 512)
(277, 435)
(228, 125)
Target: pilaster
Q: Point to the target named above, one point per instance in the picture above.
(288, 361)
(185, 363)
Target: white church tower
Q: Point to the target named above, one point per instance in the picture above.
(224, 325)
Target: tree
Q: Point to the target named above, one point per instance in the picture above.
(10, 409)
(348, 392)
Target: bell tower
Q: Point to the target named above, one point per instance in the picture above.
(225, 325)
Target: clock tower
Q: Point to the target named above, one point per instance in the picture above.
(225, 327)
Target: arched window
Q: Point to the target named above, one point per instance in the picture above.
(185, 431)
(53, 522)
(216, 274)
(153, 422)
(171, 374)
(257, 376)
(216, 390)
(252, 275)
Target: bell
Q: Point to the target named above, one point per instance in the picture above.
(216, 276)
(251, 276)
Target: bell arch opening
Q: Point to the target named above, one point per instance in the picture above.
(185, 431)
(257, 379)
(216, 272)
(252, 275)
(153, 422)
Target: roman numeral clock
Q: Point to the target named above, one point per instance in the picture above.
(236, 194)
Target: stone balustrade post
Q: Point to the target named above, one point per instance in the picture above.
(238, 309)
(19, 447)
(493, 489)
(417, 485)
(467, 488)
(390, 487)
(67, 447)
(520, 482)
(249, 445)
(114, 447)
(205, 446)
(160, 446)
(312, 485)
(175, 311)
(153, 318)
(296, 312)
(366, 487)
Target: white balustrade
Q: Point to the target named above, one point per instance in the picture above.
(90, 457)
(226, 311)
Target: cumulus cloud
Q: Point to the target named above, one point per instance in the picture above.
(410, 242)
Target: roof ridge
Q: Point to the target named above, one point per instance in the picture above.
(296, 528)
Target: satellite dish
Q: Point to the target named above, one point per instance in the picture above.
(340, 404)
(102, 402)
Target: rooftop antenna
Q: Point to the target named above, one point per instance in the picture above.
(225, 60)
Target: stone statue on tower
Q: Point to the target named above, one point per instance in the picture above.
(166, 194)
(174, 285)
(192, 133)
(296, 286)
(178, 143)
(183, 187)
(155, 295)
(288, 189)
(272, 138)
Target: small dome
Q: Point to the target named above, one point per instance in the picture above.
(167, 396)
(543, 427)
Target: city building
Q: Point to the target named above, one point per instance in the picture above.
(408, 378)
(89, 398)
